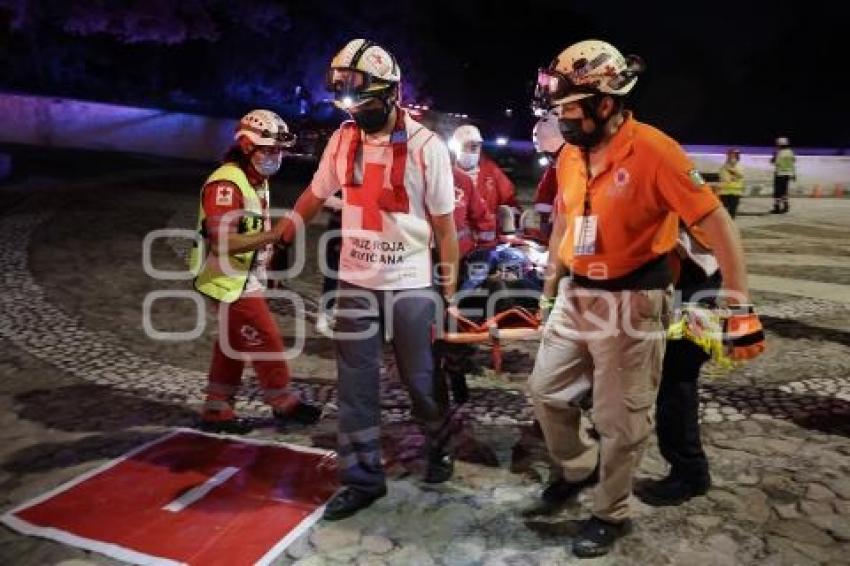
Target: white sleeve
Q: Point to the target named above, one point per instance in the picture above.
(325, 182)
(439, 182)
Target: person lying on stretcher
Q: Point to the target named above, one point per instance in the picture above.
(507, 273)
(500, 286)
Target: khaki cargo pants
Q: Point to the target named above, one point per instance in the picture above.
(615, 340)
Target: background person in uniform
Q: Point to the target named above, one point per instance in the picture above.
(731, 182)
(623, 187)
(398, 198)
(234, 221)
(785, 171)
(697, 276)
(470, 161)
(548, 142)
(474, 222)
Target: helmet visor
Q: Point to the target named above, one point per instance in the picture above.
(351, 87)
(553, 88)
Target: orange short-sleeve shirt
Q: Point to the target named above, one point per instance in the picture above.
(646, 184)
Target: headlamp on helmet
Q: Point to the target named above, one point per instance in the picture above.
(362, 70)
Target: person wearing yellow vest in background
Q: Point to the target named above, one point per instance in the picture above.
(230, 269)
(785, 171)
(731, 182)
(623, 189)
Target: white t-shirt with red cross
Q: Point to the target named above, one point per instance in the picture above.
(387, 250)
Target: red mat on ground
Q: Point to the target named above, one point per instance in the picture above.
(188, 498)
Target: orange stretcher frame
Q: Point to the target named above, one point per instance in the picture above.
(514, 324)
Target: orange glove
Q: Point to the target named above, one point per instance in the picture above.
(743, 333)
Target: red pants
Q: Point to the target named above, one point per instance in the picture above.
(246, 327)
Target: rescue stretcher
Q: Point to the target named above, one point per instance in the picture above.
(514, 324)
(518, 322)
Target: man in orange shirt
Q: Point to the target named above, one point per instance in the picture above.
(624, 186)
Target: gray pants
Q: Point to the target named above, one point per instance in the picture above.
(363, 318)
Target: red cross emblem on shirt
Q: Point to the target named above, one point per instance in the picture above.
(366, 196)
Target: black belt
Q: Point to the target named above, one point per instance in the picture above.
(654, 274)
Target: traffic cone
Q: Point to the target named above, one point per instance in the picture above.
(816, 192)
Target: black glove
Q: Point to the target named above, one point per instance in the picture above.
(281, 261)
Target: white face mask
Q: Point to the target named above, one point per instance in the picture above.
(266, 164)
(467, 160)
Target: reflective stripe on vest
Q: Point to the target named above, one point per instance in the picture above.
(211, 279)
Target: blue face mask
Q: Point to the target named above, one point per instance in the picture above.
(467, 160)
(266, 164)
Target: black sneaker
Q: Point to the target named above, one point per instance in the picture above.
(558, 493)
(597, 537)
(672, 490)
(226, 426)
(348, 502)
(303, 414)
(441, 466)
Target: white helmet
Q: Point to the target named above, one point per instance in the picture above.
(546, 134)
(782, 142)
(587, 68)
(464, 134)
(361, 70)
(264, 127)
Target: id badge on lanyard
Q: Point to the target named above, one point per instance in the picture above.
(585, 227)
(584, 235)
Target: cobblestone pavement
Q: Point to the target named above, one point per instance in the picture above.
(82, 383)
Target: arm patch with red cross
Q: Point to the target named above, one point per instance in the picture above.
(221, 197)
(224, 195)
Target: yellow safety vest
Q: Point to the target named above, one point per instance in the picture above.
(731, 180)
(785, 163)
(211, 278)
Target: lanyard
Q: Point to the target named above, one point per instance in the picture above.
(394, 200)
(587, 203)
(398, 142)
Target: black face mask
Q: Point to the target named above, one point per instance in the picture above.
(574, 134)
(372, 120)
